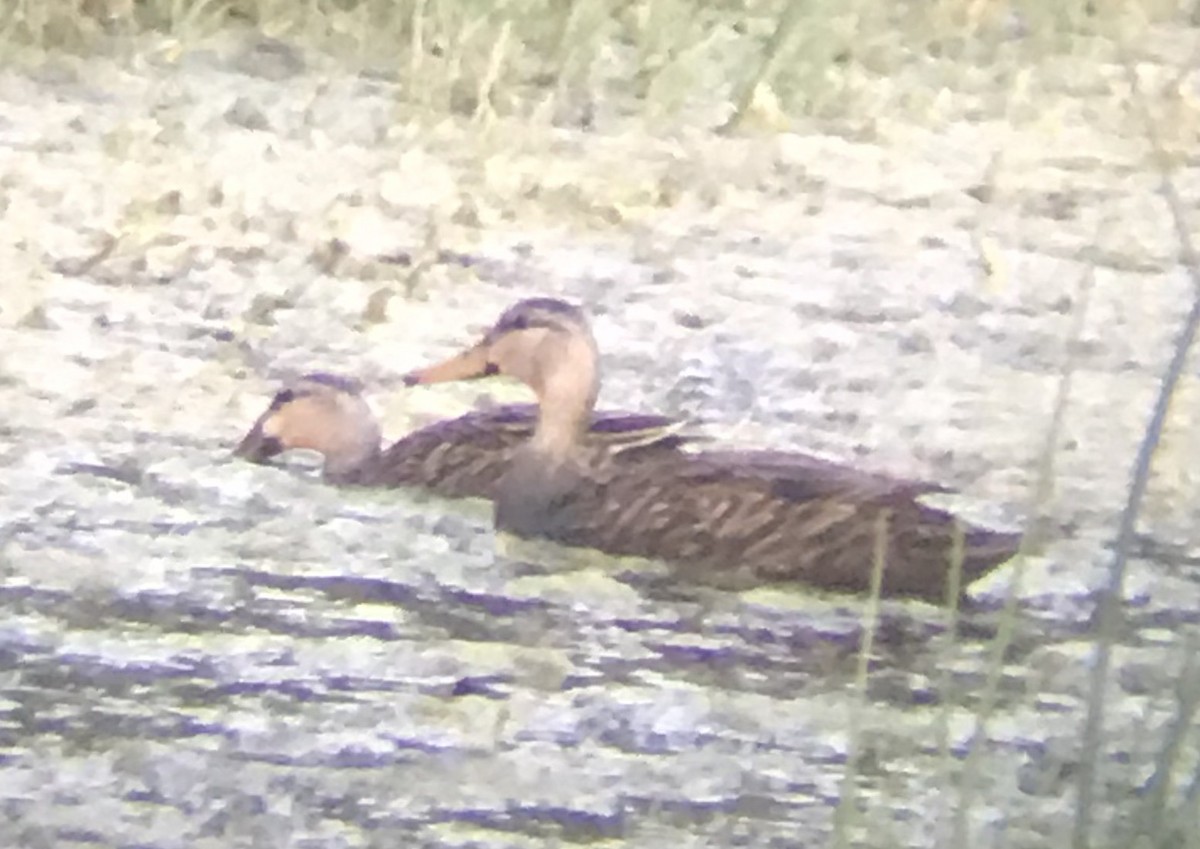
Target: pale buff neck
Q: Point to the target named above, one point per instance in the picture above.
(352, 446)
(350, 463)
(566, 391)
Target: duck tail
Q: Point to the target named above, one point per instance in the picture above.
(985, 549)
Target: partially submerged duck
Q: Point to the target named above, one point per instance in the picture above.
(764, 515)
(458, 458)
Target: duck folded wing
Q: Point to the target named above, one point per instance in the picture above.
(802, 477)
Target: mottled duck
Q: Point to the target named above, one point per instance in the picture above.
(761, 515)
(458, 458)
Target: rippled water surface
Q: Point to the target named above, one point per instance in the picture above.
(198, 652)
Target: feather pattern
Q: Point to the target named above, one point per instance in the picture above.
(734, 515)
(463, 457)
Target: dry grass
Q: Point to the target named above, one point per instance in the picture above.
(1160, 817)
(728, 63)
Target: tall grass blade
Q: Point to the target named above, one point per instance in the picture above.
(1109, 606)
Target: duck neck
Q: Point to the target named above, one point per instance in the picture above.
(558, 432)
(352, 459)
(565, 403)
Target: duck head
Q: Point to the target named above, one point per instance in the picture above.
(546, 344)
(320, 412)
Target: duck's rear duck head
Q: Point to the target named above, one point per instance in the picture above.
(545, 343)
(320, 412)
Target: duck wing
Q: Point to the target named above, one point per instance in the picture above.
(465, 457)
(767, 515)
(794, 476)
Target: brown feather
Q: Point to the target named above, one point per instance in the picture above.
(736, 515)
(462, 457)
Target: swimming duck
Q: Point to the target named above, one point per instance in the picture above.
(762, 515)
(457, 458)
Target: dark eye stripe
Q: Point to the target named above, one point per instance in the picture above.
(282, 398)
(349, 385)
(524, 321)
(537, 313)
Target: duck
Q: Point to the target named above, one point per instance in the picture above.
(737, 515)
(463, 457)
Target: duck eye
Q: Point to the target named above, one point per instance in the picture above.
(491, 370)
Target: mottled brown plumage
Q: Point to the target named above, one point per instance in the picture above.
(457, 458)
(735, 515)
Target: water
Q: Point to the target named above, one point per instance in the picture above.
(197, 652)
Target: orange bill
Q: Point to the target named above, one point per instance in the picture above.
(470, 364)
(257, 446)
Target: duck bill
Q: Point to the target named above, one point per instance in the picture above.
(469, 365)
(256, 446)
